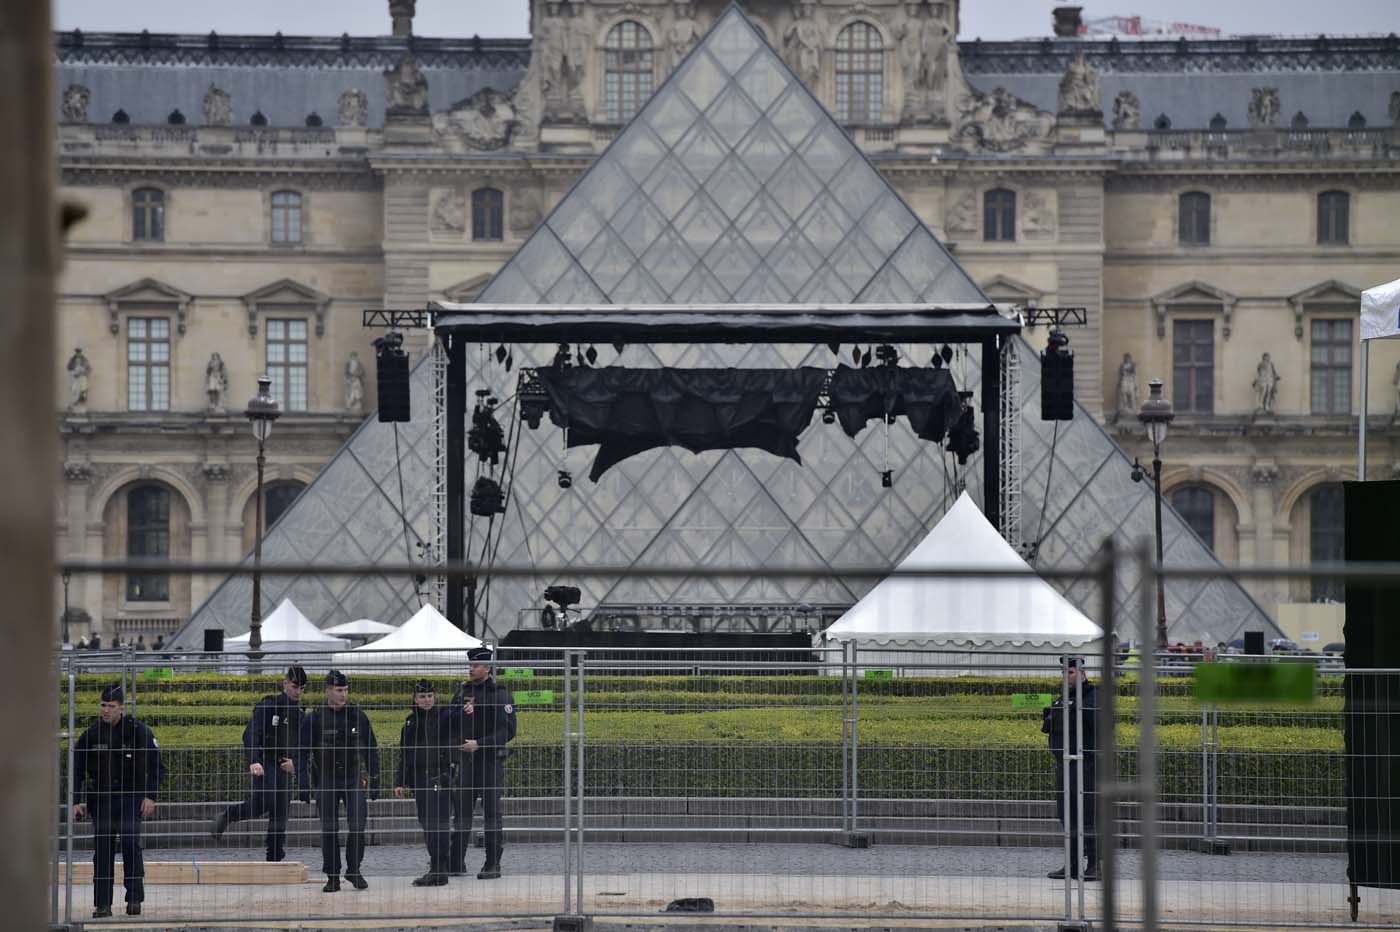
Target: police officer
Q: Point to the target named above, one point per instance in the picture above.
(489, 723)
(335, 738)
(270, 747)
(117, 770)
(425, 767)
(1083, 702)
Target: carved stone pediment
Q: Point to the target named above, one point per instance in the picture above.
(1195, 294)
(1000, 121)
(144, 295)
(484, 121)
(466, 290)
(1331, 293)
(1005, 289)
(286, 294)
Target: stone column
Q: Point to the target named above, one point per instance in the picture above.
(216, 515)
(77, 488)
(1081, 283)
(29, 470)
(1263, 475)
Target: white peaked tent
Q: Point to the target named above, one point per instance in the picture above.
(287, 629)
(1007, 621)
(361, 629)
(424, 642)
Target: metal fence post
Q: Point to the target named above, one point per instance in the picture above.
(845, 737)
(63, 662)
(68, 839)
(1106, 760)
(854, 837)
(568, 784)
(1147, 736)
(582, 689)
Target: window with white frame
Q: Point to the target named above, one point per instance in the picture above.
(286, 362)
(148, 215)
(860, 74)
(286, 217)
(1330, 372)
(148, 364)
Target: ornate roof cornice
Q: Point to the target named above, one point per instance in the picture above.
(279, 51)
(348, 175)
(1236, 55)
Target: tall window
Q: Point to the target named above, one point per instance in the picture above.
(1331, 367)
(286, 217)
(1193, 219)
(148, 215)
(1333, 218)
(1327, 539)
(488, 214)
(999, 216)
(1193, 366)
(860, 74)
(148, 364)
(148, 535)
(286, 363)
(628, 70)
(1196, 505)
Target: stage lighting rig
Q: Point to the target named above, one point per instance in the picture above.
(887, 355)
(486, 438)
(487, 499)
(962, 436)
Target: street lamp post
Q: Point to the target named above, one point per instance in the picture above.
(67, 577)
(1155, 414)
(262, 411)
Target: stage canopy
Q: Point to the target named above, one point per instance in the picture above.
(427, 641)
(287, 629)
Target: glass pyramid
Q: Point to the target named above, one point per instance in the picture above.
(732, 184)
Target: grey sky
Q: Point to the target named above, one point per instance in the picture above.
(989, 19)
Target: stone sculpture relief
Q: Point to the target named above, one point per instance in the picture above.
(999, 121)
(75, 103)
(802, 45)
(1263, 107)
(216, 383)
(1127, 111)
(79, 371)
(407, 88)
(1079, 88)
(962, 216)
(1127, 388)
(562, 41)
(526, 210)
(1266, 379)
(1038, 217)
(924, 45)
(354, 384)
(682, 34)
(217, 107)
(483, 121)
(353, 108)
(449, 214)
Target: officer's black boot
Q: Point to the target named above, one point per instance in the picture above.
(218, 824)
(456, 856)
(332, 884)
(492, 868)
(357, 880)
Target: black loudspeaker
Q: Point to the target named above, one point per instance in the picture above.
(391, 364)
(1371, 714)
(213, 640)
(1057, 379)
(1254, 642)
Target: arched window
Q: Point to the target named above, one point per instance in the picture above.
(1193, 219)
(488, 214)
(1196, 505)
(148, 535)
(286, 217)
(1333, 218)
(277, 499)
(628, 70)
(148, 215)
(999, 215)
(860, 74)
(1326, 539)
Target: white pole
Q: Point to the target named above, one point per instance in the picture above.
(1361, 451)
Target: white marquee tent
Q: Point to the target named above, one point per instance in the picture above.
(361, 630)
(425, 642)
(968, 621)
(287, 629)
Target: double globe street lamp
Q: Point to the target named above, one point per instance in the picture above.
(262, 411)
(1155, 414)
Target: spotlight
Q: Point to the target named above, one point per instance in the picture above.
(563, 596)
(1137, 473)
(566, 479)
(561, 357)
(487, 499)
(887, 355)
(828, 416)
(486, 438)
(887, 478)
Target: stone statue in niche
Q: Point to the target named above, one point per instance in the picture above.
(354, 384)
(1127, 388)
(75, 103)
(218, 107)
(1263, 107)
(924, 42)
(962, 217)
(802, 46)
(1127, 111)
(682, 34)
(353, 108)
(1039, 216)
(483, 121)
(563, 43)
(407, 88)
(1266, 379)
(216, 383)
(450, 213)
(1079, 88)
(79, 371)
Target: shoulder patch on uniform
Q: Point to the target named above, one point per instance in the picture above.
(510, 709)
(276, 719)
(154, 743)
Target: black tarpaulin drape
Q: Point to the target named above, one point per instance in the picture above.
(927, 397)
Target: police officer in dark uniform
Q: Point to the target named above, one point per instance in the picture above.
(430, 734)
(335, 738)
(489, 723)
(116, 772)
(1083, 703)
(270, 744)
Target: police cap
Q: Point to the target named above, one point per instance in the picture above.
(336, 678)
(1072, 660)
(481, 654)
(113, 692)
(422, 686)
(296, 675)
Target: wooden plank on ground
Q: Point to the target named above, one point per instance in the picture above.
(206, 872)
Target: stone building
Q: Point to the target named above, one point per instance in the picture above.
(1209, 202)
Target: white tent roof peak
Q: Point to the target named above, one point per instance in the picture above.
(1380, 312)
(287, 623)
(926, 611)
(426, 630)
(362, 627)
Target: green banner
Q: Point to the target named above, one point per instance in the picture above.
(160, 673)
(534, 697)
(514, 674)
(879, 674)
(1255, 682)
(1031, 700)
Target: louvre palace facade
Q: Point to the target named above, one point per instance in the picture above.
(1217, 206)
